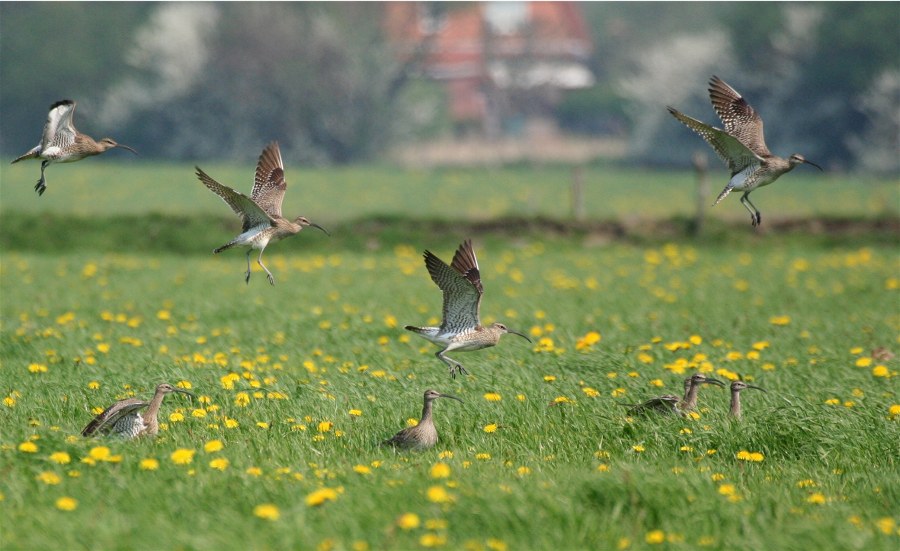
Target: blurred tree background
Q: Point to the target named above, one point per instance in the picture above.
(205, 80)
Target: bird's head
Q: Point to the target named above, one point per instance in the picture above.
(505, 329)
(431, 395)
(798, 159)
(166, 388)
(701, 379)
(303, 221)
(737, 386)
(109, 143)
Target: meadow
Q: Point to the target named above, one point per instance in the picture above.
(298, 383)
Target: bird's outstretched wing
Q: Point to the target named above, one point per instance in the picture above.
(269, 184)
(59, 130)
(461, 285)
(735, 154)
(739, 118)
(104, 422)
(251, 214)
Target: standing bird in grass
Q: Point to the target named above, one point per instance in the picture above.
(124, 420)
(461, 327)
(261, 212)
(741, 145)
(736, 388)
(423, 435)
(671, 404)
(61, 143)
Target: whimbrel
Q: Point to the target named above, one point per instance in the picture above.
(736, 388)
(664, 404)
(423, 435)
(122, 418)
(261, 212)
(61, 143)
(691, 390)
(671, 404)
(461, 327)
(741, 145)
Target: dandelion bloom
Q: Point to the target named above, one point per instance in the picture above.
(440, 470)
(487, 428)
(886, 525)
(355, 412)
(816, 499)
(408, 521)
(267, 511)
(432, 540)
(492, 397)
(213, 446)
(881, 371)
(744, 455)
(49, 478)
(66, 504)
(320, 496)
(254, 471)
(60, 457)
(727, 489)
(894, 411)
(219, 463)
(28, 447)
(638, 448)
(780, 320)
(437, 494)
(655, 537)
(482, 456)
(182, 456)
(590, 392)
(362, 469)
(149, 464)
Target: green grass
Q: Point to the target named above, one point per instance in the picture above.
(324, 338)
(108, 278)
(336, 195)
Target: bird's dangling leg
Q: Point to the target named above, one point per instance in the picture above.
(247, 278)
(755, 215)
(41, 184)
(268, 273)
(455, 366)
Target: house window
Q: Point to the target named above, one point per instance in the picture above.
(506, 17)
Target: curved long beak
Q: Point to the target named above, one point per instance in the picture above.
(191, 394)
(451, 397)
(320, 228)
(815, 165)
(123, 146)
(756, 387)
(713, 381)
(519, 334)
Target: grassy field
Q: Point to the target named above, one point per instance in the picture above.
(299, 382)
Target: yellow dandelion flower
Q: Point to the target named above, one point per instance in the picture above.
(219, 463)
(67, 504)
(320, 496)
(603, 467)
(93, 385)
(482, 456)
(496, 545)
(881, 371)
(362, 469)
(816, 499)
(60, 457)
(487, 428)
(780, 320)
(440, 470)
(655, 537)
(727, 489)
(492, 397)
(638, 448)
(438, 494)
(49, 478)
(523, 470)
(37, 368)
(241, 399)
(590, 392)
(254, 471)
(262, 424)
(887, 525)
(865, 361)
(213, 446)
(432, 540)
(176, 417)
(355, 412)
(408, 521)
(99, 453)
(182, 456)
(267, 511)
(149, 464)
(325, 426)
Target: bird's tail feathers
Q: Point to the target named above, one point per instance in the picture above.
(723, 195)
